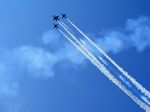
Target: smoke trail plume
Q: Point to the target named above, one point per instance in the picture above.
(78, 42)
(138, 85)
(101, 67)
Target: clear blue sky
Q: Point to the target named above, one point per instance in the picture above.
(27, 87)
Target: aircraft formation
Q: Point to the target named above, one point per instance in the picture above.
(57, 18)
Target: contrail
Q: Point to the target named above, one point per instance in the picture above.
(105, 71)
(64, 25)
(78, 42)
(138, 85)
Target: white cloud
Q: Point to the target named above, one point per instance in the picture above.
(139, 32)
(136, 33)
(111, 42)
(50, 37)
(35, 61)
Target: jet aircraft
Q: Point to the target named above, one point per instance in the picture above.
(64, 16)
(55, 18)
(55, 26)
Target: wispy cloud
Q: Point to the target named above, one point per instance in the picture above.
(60, 47)
(34, 62)
(135, 34)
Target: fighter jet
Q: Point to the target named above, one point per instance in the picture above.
(55, 18)
(55, 26)
(63, 16)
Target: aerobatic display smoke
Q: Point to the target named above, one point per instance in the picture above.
(138, 85)
(107, 66)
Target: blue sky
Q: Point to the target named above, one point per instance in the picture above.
(41, 72)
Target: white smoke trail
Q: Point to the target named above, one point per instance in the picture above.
(138, 85)
(106, 72)
(78, 42)
(64, 25)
